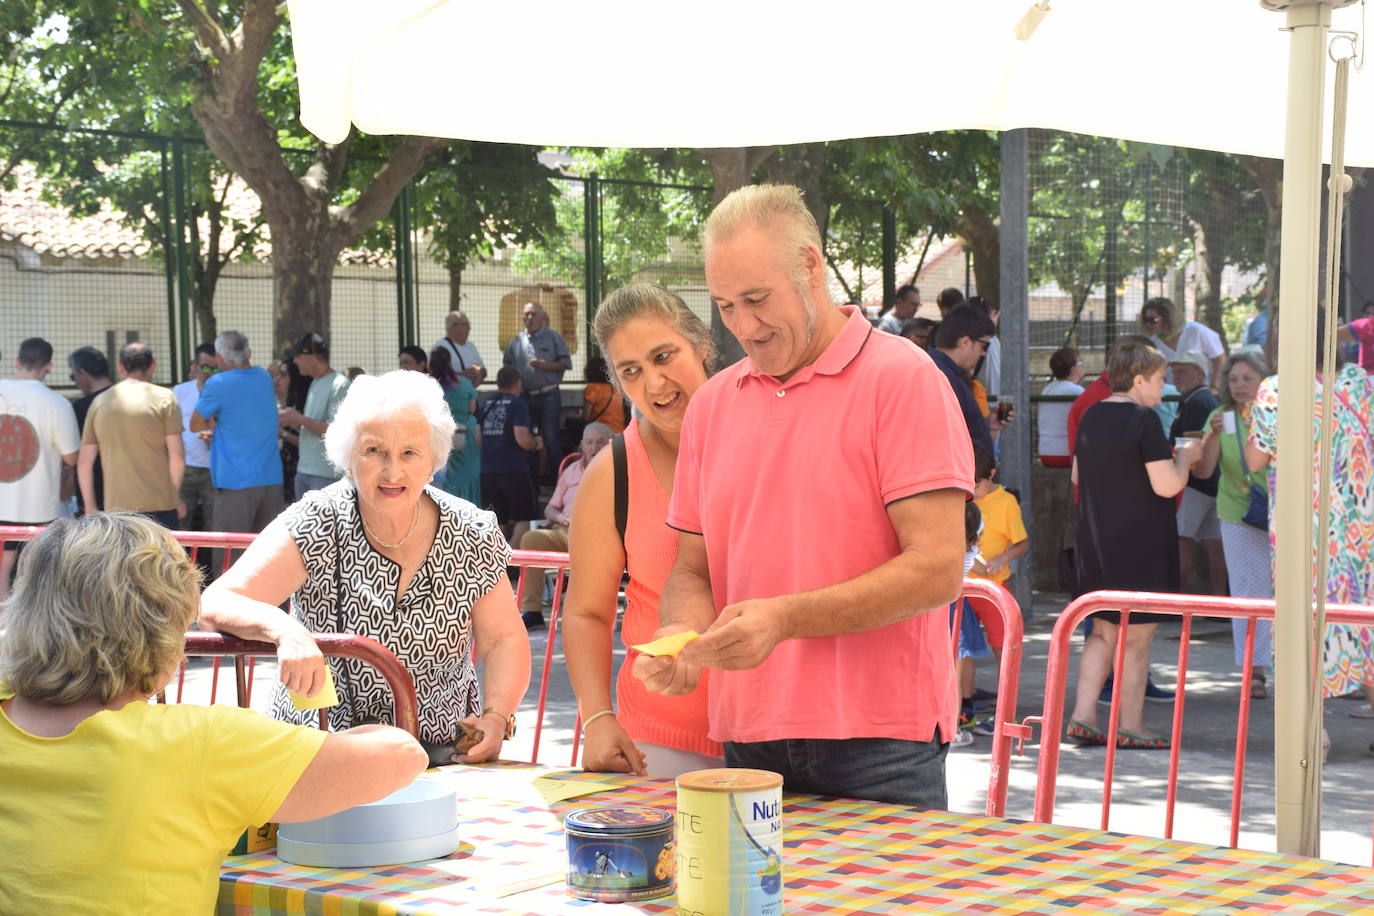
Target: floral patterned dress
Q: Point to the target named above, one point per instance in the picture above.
(1349, 651)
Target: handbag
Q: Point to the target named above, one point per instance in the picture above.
(1257, 510)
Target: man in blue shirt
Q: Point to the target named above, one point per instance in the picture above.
(507, 441)
(961, 341)
(239, 405)
(541, 357)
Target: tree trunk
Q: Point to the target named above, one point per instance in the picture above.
(455, 286)
(207, 279)
(302, 280)
(731, 168)
(307, 233)
(1269, 176)
(978, 230)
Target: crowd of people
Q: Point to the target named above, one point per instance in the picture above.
(818, 617)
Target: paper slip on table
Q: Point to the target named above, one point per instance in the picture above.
(842, 857)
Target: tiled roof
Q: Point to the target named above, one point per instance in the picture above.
(51, 229)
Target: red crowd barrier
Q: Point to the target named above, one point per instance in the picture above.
(1186, 607)
(557, 562)
(990, 595)
(333, 645)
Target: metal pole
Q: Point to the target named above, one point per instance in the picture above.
(1297, 759)
(889, 256)
(183, 255)
(591, 246)
(1014, 462)
(169, 251)
(398, 219)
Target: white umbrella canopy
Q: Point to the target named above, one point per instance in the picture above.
(1199, 73)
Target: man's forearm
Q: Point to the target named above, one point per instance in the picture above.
(906, 586)
(318, 427)
(687, 600)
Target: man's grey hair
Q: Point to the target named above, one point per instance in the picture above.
(601, 428)
(232, 347)
(380, 397)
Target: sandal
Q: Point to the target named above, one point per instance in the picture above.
(1259, 685)
(1131, 741)
(1086, 735)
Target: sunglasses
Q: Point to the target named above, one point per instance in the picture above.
(1150, 319)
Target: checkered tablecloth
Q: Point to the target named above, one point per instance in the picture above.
(843, 857)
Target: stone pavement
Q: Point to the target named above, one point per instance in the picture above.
(1206, 761)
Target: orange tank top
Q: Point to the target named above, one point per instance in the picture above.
(650, 551)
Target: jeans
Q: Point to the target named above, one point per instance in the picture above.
(546, 412)
(167, 518)
(307, 482)
(198, 493)
(878, 769)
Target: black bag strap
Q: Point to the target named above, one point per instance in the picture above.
(621, 466)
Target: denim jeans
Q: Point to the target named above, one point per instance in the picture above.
(878, 769)
(546, 413)
(308, 482)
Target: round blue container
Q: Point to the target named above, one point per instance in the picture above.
(620, 854)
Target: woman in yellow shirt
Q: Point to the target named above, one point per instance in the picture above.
(113, 805)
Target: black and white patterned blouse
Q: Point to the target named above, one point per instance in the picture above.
(351, 588)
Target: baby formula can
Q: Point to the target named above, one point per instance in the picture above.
(619, 854)
(729, 843)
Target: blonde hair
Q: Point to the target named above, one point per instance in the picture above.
(380, 397)
(779, 210)
(99, 609)
(649, 300)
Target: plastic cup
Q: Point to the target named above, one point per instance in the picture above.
(1228, 422)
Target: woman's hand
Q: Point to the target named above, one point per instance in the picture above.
(1216, 423)
(493, 726)
(300, 664)
(608, 749)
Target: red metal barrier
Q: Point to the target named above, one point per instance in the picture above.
(1186, 607)
(334, 645)
(557, 562)
(1005, 727)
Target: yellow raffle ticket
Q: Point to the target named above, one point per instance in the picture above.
(667, 645)
(326, 698)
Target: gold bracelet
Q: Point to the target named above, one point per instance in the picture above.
(594, 716)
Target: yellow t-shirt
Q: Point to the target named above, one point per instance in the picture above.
(1002, 527)
(133, 812)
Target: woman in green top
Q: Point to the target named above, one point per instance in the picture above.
(1248, 565)
(463, 475)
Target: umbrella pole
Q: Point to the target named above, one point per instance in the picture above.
(1297, 726)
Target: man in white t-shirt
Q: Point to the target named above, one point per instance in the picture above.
(462, 352)
(197, 488)
(38, 435)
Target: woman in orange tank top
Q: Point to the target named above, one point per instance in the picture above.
(659, 351)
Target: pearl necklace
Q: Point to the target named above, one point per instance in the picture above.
(415, 520)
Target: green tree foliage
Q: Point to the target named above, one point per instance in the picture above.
(651, 208)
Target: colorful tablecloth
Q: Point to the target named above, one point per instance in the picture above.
(842, 857)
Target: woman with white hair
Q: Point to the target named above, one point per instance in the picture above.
(382, 554)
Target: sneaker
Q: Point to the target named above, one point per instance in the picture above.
(983, 727)
(1363, 711)
(533, 620)
(1154, 694)
(983, 697)
(962, 738)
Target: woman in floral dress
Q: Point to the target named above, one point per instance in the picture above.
(1349, 650)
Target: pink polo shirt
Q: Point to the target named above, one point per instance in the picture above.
(788, 483)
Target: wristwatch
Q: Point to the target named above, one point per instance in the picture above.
(510, 721)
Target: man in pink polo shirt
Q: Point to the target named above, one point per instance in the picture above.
(820, 491)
